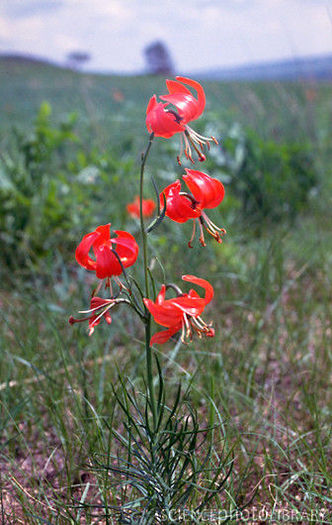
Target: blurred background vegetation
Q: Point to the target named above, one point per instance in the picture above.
(70, 147)
(69, 140)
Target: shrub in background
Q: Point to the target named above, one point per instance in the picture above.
(50, 187)
(272, 180)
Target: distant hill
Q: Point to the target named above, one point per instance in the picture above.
(317, 68)
(25, 59)
(311, 68)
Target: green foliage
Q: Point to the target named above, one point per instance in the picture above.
(272, 180)
(261, 383)
(51, 189)
(56, 170)
(163, 470)
(31, 204)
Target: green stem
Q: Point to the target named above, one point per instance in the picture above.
(147, 291)
(149, 371)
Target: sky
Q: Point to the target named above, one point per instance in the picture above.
(200, 34)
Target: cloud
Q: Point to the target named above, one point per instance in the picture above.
(201, 34)
(19, 9)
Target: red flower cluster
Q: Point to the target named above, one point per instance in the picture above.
(181, 312)
(112, 254)
(165, 122)
(206, 192)
(148, 207)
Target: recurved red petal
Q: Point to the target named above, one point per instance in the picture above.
(189, 305)
(193, 293)
(207, 190)
(107, 317)
(163, 336)
(186, 105)
(160, 121)
(179, 208)
(152, 104)
(126, 247)
(99, 302)
(82, 251)
(174, 86)
(95, 320)
(103, 237)
(203, 283)
(189, 107)
(200, 93)
(166, 314)
(107, 262)
(161, 295)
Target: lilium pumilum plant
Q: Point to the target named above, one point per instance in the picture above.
(182, 312)
(180, 108)
(112, 254)
(206, 192)
(148, 207)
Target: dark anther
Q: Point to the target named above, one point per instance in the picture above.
(176, 115)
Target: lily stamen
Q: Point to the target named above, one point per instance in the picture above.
(190, 137)
(201, 237)
(187, 325)
(212, 228)
(107, 301)
(192, 235)
(196, 138)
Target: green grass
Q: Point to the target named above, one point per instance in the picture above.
(265, 377)
(275, 109)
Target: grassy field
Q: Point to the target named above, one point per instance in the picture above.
(264, 380)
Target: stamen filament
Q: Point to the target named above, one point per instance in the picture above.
(103, 313)
(201, 157)
(96, 290)
(181, 150)
(107, 301)
(192, 235)
(212, 228)
(199, 321)
(201, 237)
(186, 324)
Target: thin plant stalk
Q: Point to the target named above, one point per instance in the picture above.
(147, 290)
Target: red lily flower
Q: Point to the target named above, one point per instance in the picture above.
(99, 308)
(107, 257)
(166, 122)
(206, 192)
(181, 312)
(148, 207)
